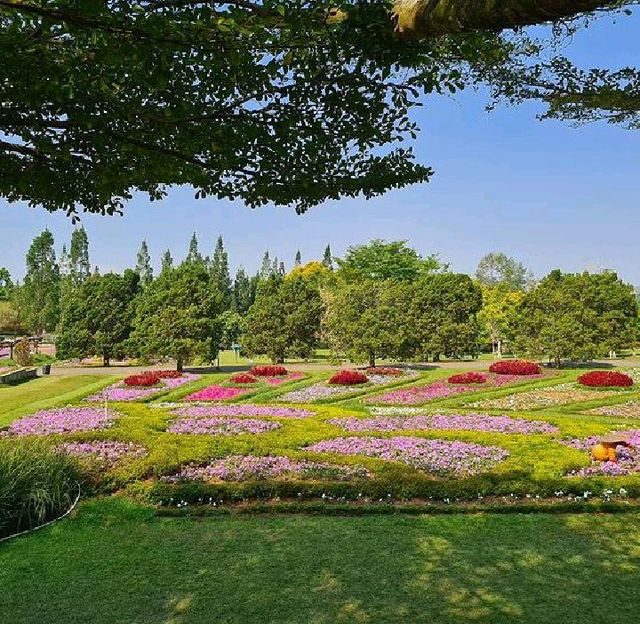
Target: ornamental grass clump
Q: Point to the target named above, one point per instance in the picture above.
(221, 426)
(348, 378)
(37, 484)
(268, 371)
(605, 379)
(515, 367)
(252, 468)
(62, 420)
(468, 378)
(438, 457)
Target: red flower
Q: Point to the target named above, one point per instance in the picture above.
(385, 371)
(268, 371)
(348, 378)
(467, 378)
(605, 379)
(243, 378)
(150, 378)
(515, 367)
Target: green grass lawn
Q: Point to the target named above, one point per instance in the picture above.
(116, 563)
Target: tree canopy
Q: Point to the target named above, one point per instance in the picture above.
(285, 101)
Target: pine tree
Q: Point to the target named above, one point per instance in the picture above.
(298, 260)
(194, 255)
(327, 259)
(167, 261)
(79, 264)
(220, 272)
(265, 269)
(143, 266)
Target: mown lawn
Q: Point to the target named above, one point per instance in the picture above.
(116, 563)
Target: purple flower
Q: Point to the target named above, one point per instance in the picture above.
(221, 426)
(62, 420)
(440, 457)
(469, 422)
(250, 467)
(108, 452)
(119, 392)
(243, 409)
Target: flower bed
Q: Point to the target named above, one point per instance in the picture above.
(119, 392)
(468, 378)
(276, 381)
(269, 371)
(106, 452)
(322, 390)
(348, 378)
(252, 468)
(515, 367)
(467, 422)
(221, 426)
(387, 371)
(243, 378)
(605, 379)
(243, 409)
(630, 409)
(216, 393)
(543, 397)
(62, 420)
(439, 457)
(628, 458)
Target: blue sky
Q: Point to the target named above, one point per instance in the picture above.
(549, 194)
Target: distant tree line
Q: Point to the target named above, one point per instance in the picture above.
(381, 300)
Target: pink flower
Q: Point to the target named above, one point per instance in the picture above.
(216, 393)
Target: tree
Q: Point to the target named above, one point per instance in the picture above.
(314, 271)
(220, 272)
(193, 255)
(9, 318)
(298, 260)
(498, 269)
(97, 319)
(499, 305)
(284, 320)
(143, 265)
(382, 260)
(6, 284)
(244, 291)
(266, 268)
(79, 263)
(327, 258)
(166, 261)
(39, 296)
(576, 316)
(231, 327)
(261, 101)
(178, 316)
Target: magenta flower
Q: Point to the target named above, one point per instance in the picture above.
(243, 409)
(62, 420)
(221, 426)
(120, 392)
(216, 393)
(440, 457)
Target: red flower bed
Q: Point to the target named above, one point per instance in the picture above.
(515, 367)
(605, 379)
(243, 378)
(348, 378)
(150, 378)
(468, 378)
(389, 371)
(268, 371)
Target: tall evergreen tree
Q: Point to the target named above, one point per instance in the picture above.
(243, 291)
(79, 264)
(220, 272)
(6, 284)
(327, 259)
(265, 269)
(167, 261)
(298, 261)
(194, 254)
(39, 297)
(143, 265)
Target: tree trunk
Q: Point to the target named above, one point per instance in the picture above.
(105, 360)
(179, 365)
(424, 19)
(372, 360)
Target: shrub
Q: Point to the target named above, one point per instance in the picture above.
(605, 379)
(468, 378)
(268, 371)
(348, 378)
(386, 371)
(37, 483)
(515, 367)
(243, 378)
(22, 353)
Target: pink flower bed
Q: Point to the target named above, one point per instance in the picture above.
(276, 381)
(107, 452)
(628, 458)
(221, 426)
(243, 409)
(216, 393)
(120, 392)
(62, 420)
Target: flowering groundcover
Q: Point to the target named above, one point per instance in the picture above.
(216, 392)
(107, 452)
(628, 461)
(439, 457)
(243, 409)
(221, 426)
(62, 420)
(250, 468)
(120, 392)
(468, 422)
(630, 409)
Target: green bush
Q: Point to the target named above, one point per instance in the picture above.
(37, 483)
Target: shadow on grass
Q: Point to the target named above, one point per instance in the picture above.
(117, 563)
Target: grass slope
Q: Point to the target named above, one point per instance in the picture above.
(115, 563)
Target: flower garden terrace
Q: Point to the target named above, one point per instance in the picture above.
(416, 436)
